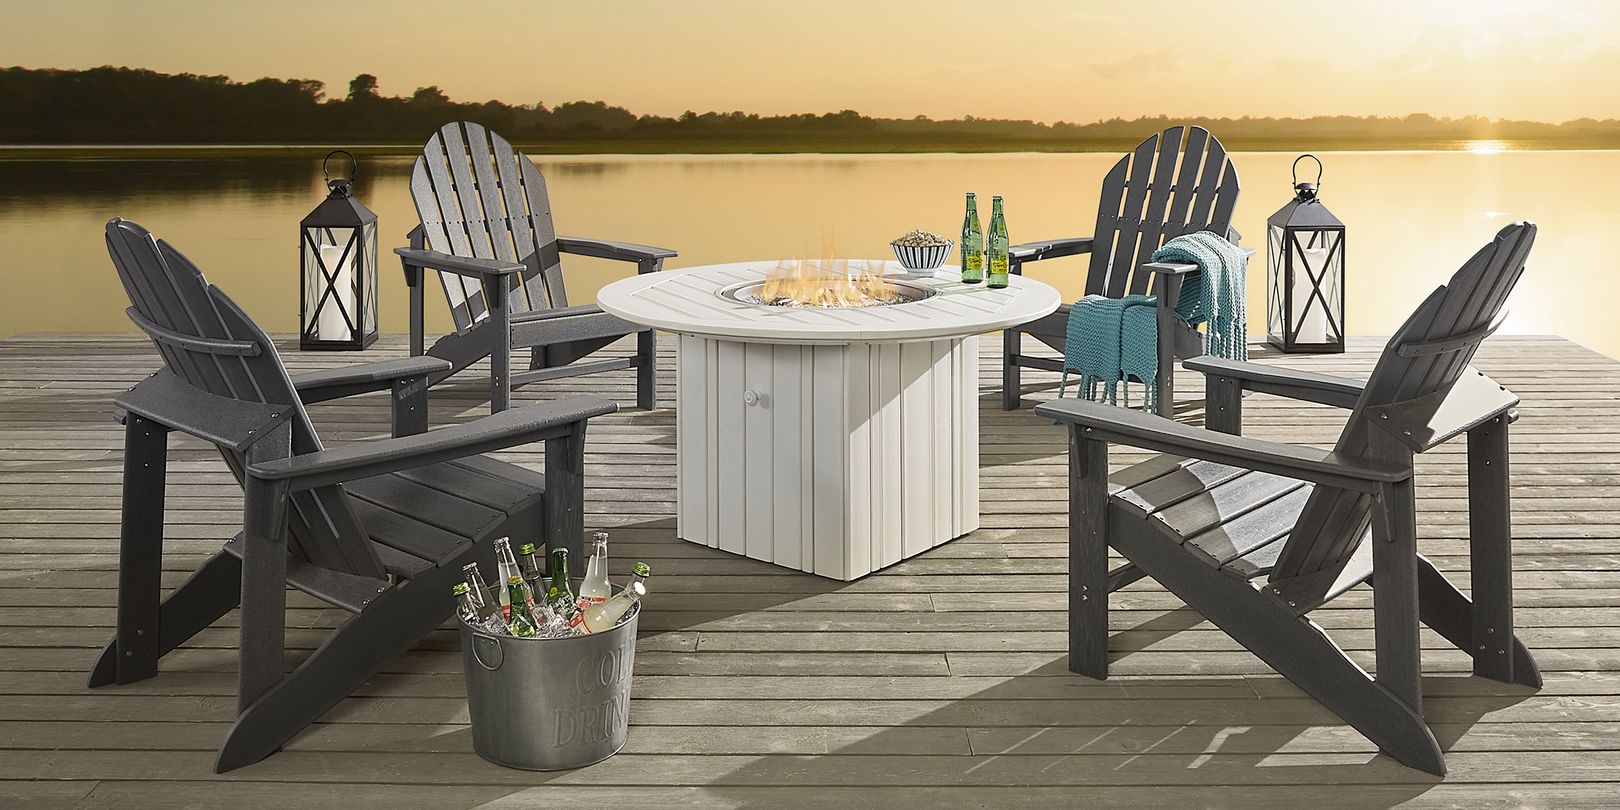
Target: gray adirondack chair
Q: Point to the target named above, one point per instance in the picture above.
(1256, 534)
(379, 529)
(486, 229)
(1176, 182)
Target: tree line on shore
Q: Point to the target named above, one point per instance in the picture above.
(121, 105)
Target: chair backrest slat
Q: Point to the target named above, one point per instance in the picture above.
(529, 230)
(473, 216)
(1216, 183)
(204, 339)
(1186, 183)
(1175, 182)
(1452, 322)
(1129, 223)
(499, 203)
(1113, 190)
(1151, 232)
(496, 214)
(433, 189)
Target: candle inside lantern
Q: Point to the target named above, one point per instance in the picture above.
(331, 323)
(1310, 314)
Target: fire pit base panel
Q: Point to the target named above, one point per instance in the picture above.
(838, 460)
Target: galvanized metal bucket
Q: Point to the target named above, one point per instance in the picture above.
(549, 704)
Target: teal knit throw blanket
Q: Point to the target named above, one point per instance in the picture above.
(1217, 298)
(1111, 340)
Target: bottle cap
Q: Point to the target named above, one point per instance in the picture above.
(996, 198)
(600, 537)
(514, 580)
(458, 589)
(641, 569)
(526, 548)
(503, 541)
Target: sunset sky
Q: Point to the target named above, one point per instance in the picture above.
(1041, 59)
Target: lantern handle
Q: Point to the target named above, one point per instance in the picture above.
(354, 165)
(1294, 170)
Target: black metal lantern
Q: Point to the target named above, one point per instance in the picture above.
(1305, 272)
(337, 247)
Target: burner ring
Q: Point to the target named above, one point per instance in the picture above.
(747, 292)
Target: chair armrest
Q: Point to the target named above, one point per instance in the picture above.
(1123, 426)
(365, 459)
(320, 386)
(170, 401)
(1050, 249)
(1170, 268)
(1306, 386)
(619, 251)
(1180, 268)
(460, 265)
(556, 313)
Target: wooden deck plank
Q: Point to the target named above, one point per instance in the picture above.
(939, 681)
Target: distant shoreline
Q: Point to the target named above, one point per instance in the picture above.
(615, 146)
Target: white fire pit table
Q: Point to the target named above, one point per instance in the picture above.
(836, 441)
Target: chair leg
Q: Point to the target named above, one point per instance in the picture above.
(212, 591)
(500, 355)
(563, 502)
(1395, 593)
(1490, 540)
(264, 589)
(1012, 377)
(647, 370)
(1165, 378)
(140, 556)
(1451, 614)
(360, 647)
(1088, 555)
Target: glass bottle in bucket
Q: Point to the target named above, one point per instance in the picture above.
(595, 588)
(478, 587)
(478, 613)
(998, 249)
(560, 596)
(972, 243)
(506, 567)
(608, 614)
(520, 621)
(529, 566)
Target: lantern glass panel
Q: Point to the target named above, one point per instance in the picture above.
(1276, 274)
(368, 279)
(332, 284)
(1316, 270)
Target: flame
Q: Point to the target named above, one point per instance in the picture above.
(828, 283)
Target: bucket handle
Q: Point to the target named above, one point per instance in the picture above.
(498, 655)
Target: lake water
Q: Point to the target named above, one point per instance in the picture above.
(1412, 218)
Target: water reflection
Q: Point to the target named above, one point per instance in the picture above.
(1413, 217)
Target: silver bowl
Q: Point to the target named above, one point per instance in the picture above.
(917, 259)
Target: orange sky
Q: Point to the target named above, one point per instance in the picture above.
(1041, 59)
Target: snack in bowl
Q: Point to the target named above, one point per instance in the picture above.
(921, 250)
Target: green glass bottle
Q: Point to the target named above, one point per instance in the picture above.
(1000, 257)
(529, 566)
(972, 243)
(521, 622)
(560, 596)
